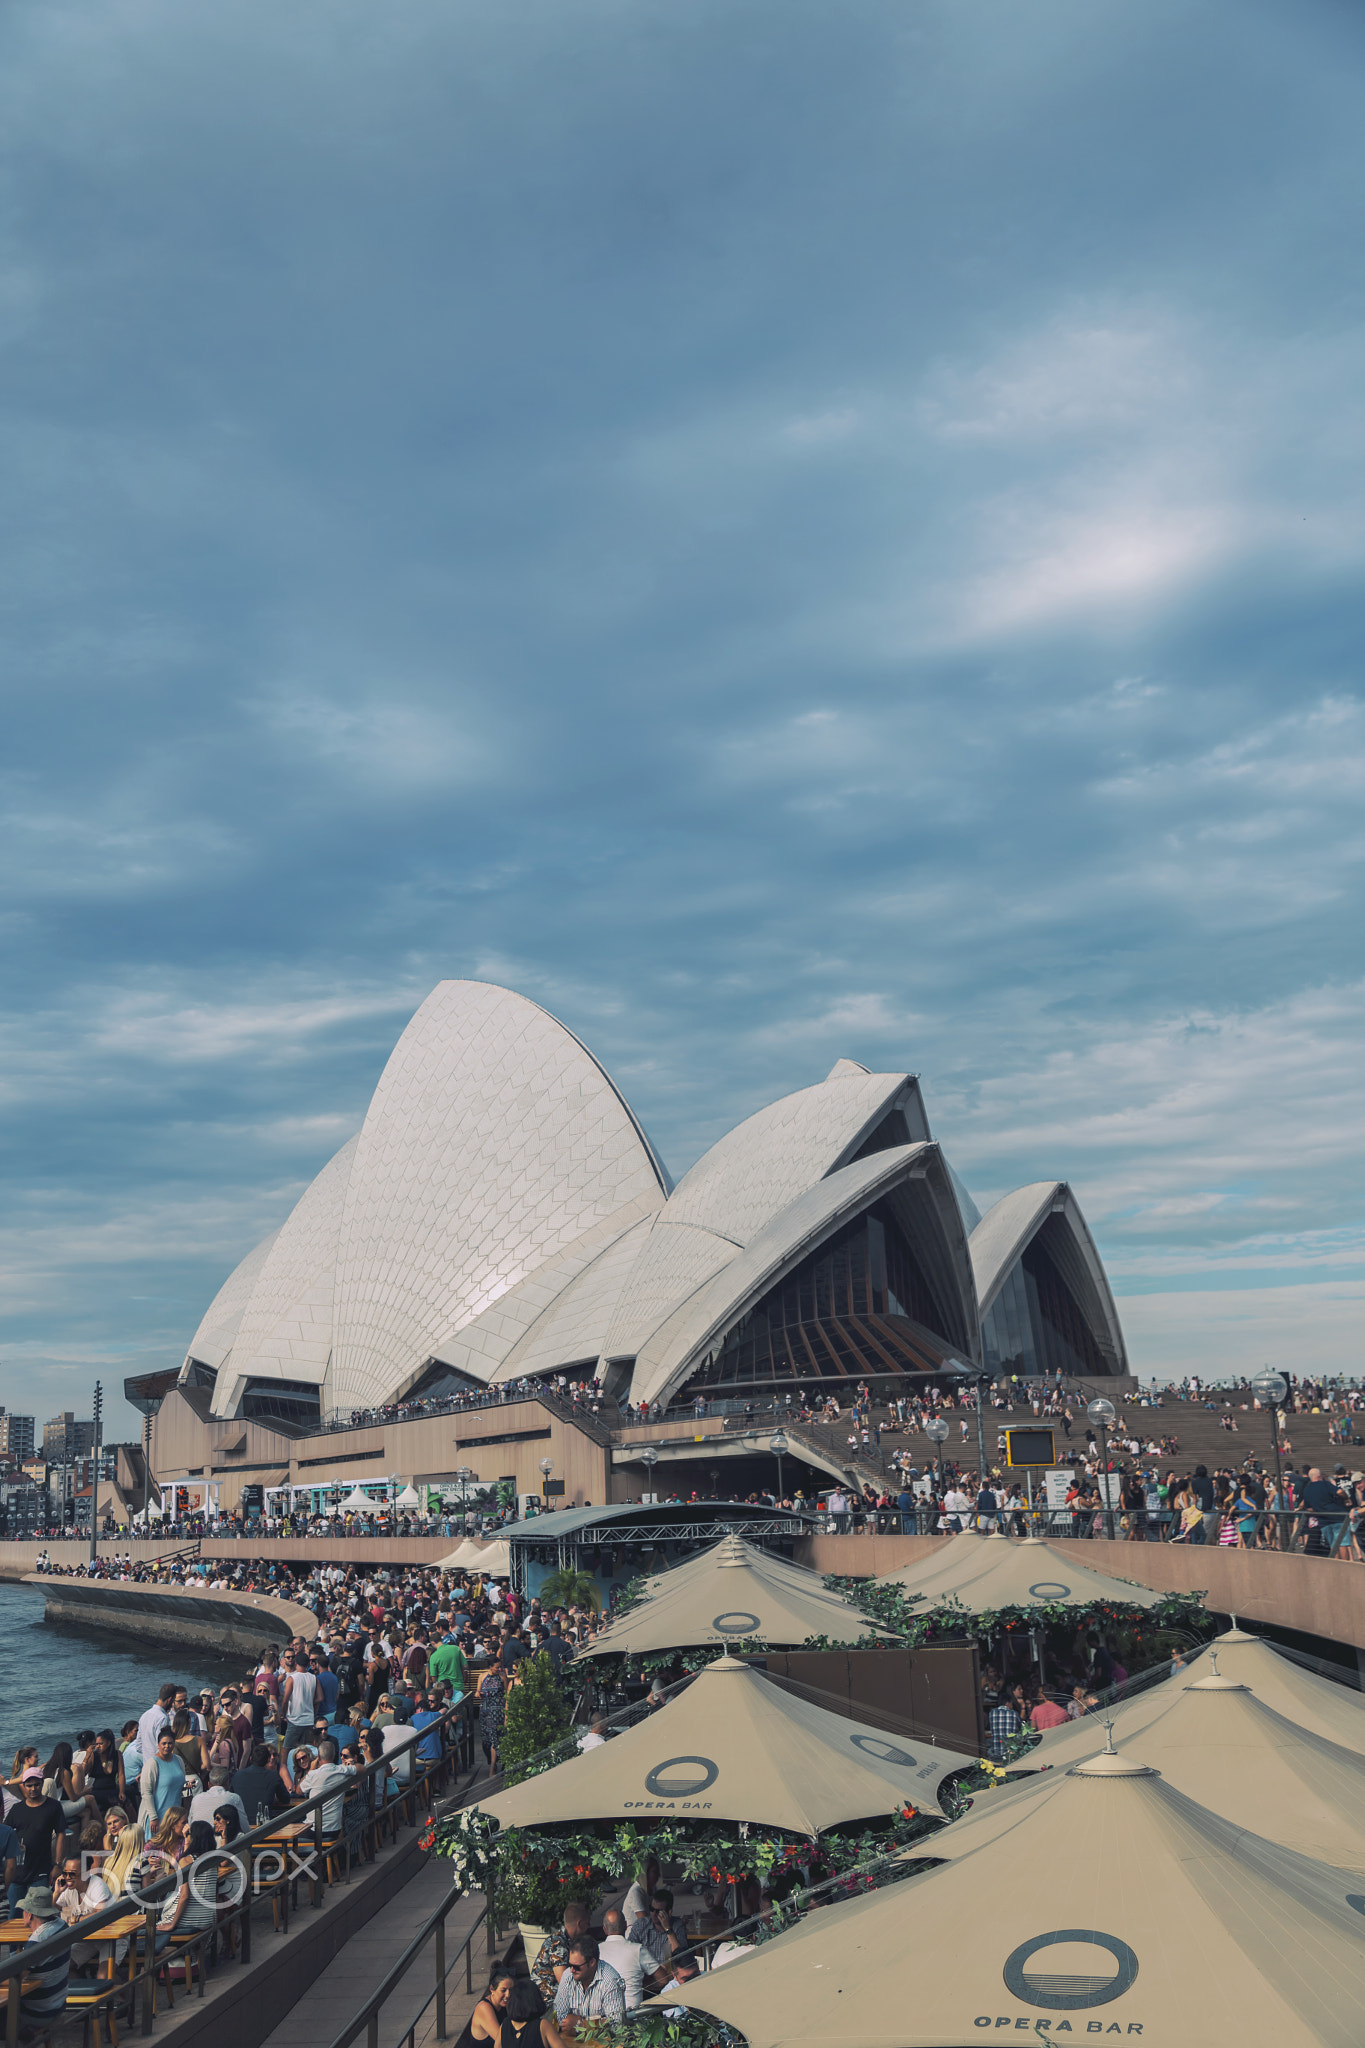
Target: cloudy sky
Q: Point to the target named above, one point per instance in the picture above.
(779, 530)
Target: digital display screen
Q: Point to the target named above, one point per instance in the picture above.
(1029, 1447)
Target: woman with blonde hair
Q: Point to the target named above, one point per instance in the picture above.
(124, 1843)
(166, 1846)
(222, 1751)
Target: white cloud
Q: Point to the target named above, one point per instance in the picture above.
(1305, 1330)
(1200, 1135)
(388, 743)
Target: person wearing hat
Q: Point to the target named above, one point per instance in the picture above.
(40, 1824)
(45, 2003)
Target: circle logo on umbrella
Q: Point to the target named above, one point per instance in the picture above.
(1049, 1589)
(681, 1777)
(736, 1623)
(1061, 1990)
(885, 1752)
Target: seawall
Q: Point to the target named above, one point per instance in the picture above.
(18, 1559)
(241, 1623)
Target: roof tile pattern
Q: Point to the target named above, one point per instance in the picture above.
(286, 1331)
(213, 1340)
(574, 1327)
(492, 1143)
(676, 1346)
(674, 1261)
(485, 1346)
(774, 1156)
(1004, 1232)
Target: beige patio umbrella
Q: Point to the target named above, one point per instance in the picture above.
(1001, 1572)
(733, 1599)
(734, 1746)
(1318, 1704)
(1114, 1903)
(734, 1550)
(494, 1559)
(959, 1556)
(1219, 1744)
(1323, 1708)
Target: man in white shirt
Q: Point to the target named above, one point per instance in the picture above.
(956, 1506)
(325, 1774)
(594, 1739)
(400, 1746)
(625, 1957)
(154, 1720)
(204, 1805)
(298, 1696)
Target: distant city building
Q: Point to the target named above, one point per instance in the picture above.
(64, 1438)
(503, 1215)
(16, 1437)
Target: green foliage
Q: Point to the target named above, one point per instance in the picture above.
(569, 1588)
(540, 1868)
(1144, 1630)
(651, 2028)
(537, 1877)
(469, 1839)
(536, 1716)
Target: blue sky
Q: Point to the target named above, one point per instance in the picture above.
(779, 531)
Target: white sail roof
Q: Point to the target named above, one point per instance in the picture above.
(493, 1141)
(218, 1326)
(286, 1329)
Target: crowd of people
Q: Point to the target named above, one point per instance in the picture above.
(147, 1795)
(642, 1948)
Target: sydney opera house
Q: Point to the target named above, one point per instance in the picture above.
(502, 1215)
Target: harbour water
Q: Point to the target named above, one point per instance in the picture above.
(55, 1680)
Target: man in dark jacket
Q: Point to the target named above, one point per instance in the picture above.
(1325, 1508)
(1201, 1486)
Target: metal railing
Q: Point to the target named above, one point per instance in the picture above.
(433, 1927)
(140, 1986)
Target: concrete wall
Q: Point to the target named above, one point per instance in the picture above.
(427, 1450)
(1319, 1596)
(226, 1622)
(379, 1553)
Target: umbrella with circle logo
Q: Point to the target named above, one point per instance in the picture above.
(735, 1746)
(987, 1573)
(1320, 1706)
(733, 1549)
(732, 1595)
(1112, 1906)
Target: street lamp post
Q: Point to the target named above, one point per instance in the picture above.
(1272, 1387)
(547, 1466)
(649, 1458)
(779, 1446)
(1104, 1414)
(95, 1465)
(936, 1429)
(464, 1475)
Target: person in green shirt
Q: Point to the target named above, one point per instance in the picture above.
(447, 1661)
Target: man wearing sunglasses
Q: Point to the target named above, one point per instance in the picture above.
(589, 1989)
